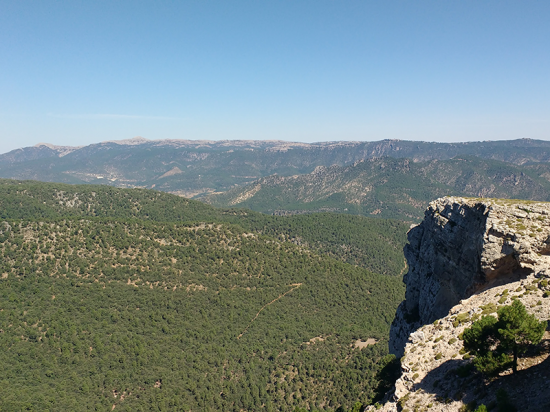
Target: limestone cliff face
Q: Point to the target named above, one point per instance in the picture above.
(466, 259)
(462, 247)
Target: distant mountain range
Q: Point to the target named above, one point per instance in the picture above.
(388, 187)
(194, 168)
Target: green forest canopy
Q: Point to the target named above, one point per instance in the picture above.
(211, 311)
(376, 244)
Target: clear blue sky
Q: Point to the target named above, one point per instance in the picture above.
(80, 72)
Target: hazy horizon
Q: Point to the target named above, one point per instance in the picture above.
(311, 71)
(122, 141)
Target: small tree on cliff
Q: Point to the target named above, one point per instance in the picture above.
(498, 343)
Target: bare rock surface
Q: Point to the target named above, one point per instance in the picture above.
(464, 246)
(466, 259)
(431, 378)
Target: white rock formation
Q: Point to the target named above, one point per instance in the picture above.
(464, 246)
(467, 258)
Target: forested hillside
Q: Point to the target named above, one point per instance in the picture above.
(120, 298)
(375, 244)
(389, 187)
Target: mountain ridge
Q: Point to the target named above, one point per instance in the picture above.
(217, 166)
(388, 187)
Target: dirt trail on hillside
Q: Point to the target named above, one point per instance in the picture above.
(294, 287)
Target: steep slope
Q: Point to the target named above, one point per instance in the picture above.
(386, 187)
(437, 375)
(190, 168)
(465, 246)
(466, 259)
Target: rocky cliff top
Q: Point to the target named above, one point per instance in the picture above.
(464, 246)
(467, 258)
(437, 376)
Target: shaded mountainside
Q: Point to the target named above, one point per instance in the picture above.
(388, 187)
(467, 259)
(375, 244)
(141, 300)
(192, 168)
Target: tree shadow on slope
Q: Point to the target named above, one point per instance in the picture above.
(527, 390)
(452, 380)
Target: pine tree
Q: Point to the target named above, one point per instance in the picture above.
(517, 330)
(494, 341)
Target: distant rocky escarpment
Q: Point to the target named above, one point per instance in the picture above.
(466, 259)
(464, 246)
(388, 187)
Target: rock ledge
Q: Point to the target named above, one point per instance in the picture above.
(464, 246)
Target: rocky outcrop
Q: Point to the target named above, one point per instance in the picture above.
(466, 259)
(436, 375)
(464, 246)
